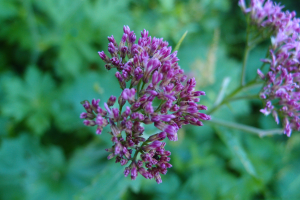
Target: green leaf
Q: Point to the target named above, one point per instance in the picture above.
(29, 100)
(180, 41)
(67, 107)
(70, 60)
(109, 184)
(4, 126)
(44, 173)
(85, 163)
(232, 142)
(7, 9)
(168, 5)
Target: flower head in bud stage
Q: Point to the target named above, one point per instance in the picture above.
(281, 91)
(153, 73)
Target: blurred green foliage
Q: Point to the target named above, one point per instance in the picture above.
(49, 63)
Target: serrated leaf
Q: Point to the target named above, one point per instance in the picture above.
(43, 173)
(29, 100)
(68, 108)
(39, 122)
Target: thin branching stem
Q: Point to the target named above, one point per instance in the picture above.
(246, 54)
(139, 150)
(245, 128)
(229, 97)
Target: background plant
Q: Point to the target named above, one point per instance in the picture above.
(49, 63)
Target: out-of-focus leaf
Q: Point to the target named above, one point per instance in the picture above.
(63, 7)
(85, 163)
(12, 168)
(70, 60)
(109, 184)
(287, 177)
(4, 126)
(29, 100)
(234, 145)
(67, 108)
(43, 173)
(180, 41)
(289, 182)
(206, 183)
(266, 155)
(7, 9)
(167, 4)
(267, 122)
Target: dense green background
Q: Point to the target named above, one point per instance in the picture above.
(49, 63)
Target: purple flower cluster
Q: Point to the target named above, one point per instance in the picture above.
(281, 92)
(156, 92)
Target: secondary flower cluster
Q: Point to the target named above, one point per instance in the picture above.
(155, 91)
(281, 92)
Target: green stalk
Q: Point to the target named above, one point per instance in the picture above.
(255, 96)
(180, 41)
(140, 150)
(229, 97)
(248, 129)
(246, 54)
(161, 103)
(264, 64)
(138, 88)
(143, 85)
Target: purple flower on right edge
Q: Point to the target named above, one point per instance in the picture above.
(281, 92)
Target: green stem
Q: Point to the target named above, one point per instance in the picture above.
(180, 41)
(232, 94)
(248, 129)
(138, 87)
(255, 96)
(120, 109)
(143, 85)
(246, 54)
(250, 44)
(135, 155)
(264, 63)
(161, 103)
(223, 88)
(140, 150)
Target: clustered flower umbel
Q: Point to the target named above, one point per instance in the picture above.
(150, 75)
(281, 93)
